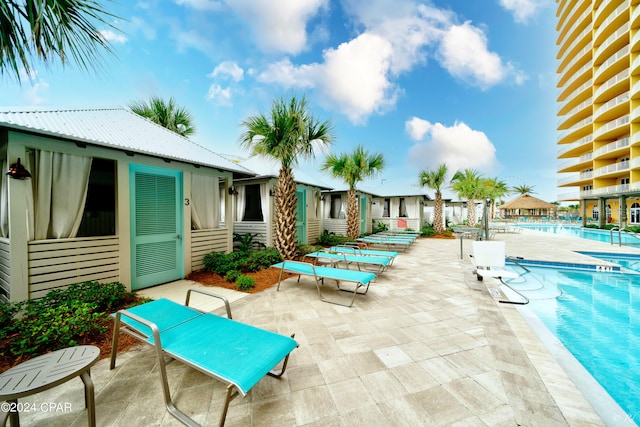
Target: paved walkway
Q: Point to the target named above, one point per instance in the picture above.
(427, 346)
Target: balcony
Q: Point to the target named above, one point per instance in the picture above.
(569, 197)
(581, 129)
(577, 23)
(635, 115)
(571, 78)
(635, 18)
(612, 169)
(613, 129)
(614, 149)
(584, 143)
(614, 108)
(616, 63)
(571, 97)
(612, 43)
(611, 17)
(612, 190)
(581, 110)
(576, 164)
(607, 90)
(575, 179)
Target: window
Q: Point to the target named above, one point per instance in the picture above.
(253, 204)
(99, 218)
(635, 213)
(594, 212)
(624, 181)
(402, 210)
(336, 206)
(386, 208)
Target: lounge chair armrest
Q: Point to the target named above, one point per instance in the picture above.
(155, 332)
(224, 299)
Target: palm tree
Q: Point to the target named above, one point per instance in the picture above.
(353, 168)
(467, 185)
(49, 30)
(435, 180)
(288, 135)
(494, 189)
(165, 113)
(523, 189)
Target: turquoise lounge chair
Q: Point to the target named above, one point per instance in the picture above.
(380, 263)
(356, 250)
(234, 353)
(361, 279)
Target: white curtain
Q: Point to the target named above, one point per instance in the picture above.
(343, 207)
(222, 199)
(394, 207)
(315, 198)
(412, 207)
(327, 206)
(204, 201)
(4, 202)
(59, 183)
(264, 199)
(240, 202)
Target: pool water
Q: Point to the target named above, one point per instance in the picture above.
(596, 316)
(584, 233)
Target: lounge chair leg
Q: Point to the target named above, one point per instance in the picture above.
(230, 396)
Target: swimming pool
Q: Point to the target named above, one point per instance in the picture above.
(584, 233)
(595, 314)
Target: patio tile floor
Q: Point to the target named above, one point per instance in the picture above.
(428, 345)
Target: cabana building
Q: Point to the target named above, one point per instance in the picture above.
(105, 195)
(334, 211)
(527, 207)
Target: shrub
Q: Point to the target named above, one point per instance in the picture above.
(328, 238)
(244, 283)
(307, 249)
(379, 226)
(221, 263)
(246, 242)
(231, 276)
(427, 231)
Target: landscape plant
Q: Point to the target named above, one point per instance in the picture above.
(245, 283)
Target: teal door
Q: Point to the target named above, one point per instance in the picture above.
(156, 226)
(301, 216)
(363, 214)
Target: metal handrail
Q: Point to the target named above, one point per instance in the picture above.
(620, 230)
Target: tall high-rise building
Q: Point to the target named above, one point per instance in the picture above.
(599, 107)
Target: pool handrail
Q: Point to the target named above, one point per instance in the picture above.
(620, 230)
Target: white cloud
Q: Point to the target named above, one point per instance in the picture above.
(200, 4)
(113, 37)
(358, 77)
(228, 69)
(458, 146)
(464, 54)
(278, 28)
(353, 77)
(219, 95)
(522, 10)
(138, 24)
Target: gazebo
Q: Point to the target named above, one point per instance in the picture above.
(528, 207)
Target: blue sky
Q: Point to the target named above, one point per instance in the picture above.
(469, 83)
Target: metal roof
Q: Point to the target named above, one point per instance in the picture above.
(118, 128)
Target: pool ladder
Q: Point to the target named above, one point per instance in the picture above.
(620, 231)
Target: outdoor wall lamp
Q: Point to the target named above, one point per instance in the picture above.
(17, 171)
(233, 191)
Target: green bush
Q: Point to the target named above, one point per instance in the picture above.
(244, 283)
(221, 263)
(231, 276)
(245, 242)
(307, 249)
(427, 231)
(328, 238)
(61, 319)
(379, 226)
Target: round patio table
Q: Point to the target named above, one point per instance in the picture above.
(47, 371)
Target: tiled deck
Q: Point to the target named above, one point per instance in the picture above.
(427, 345)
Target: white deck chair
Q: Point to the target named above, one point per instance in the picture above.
(489, 259)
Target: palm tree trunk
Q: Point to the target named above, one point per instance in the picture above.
(438, 225)
(353, 220)
(285, 214)
(471, 213)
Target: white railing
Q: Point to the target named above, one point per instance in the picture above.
(565, 148)
(613, 189)
(586, 85)
(616, 167)
(613, 124)
(621, 76)
(612, 16)
(615, 145)
(586, 68)
(574, 195)
(620, 99)
(624, 30)
(582, 123)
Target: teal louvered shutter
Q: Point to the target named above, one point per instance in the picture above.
(301, 217)
(156, 250)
